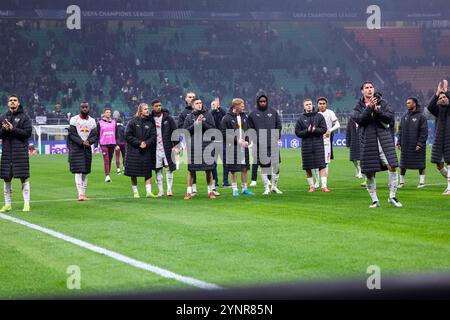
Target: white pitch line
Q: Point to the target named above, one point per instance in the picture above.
(116, 256)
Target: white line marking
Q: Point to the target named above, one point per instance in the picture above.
(116, 256)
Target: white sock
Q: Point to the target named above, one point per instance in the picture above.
(135, 189)
(444, 172)
(209, 189)
(355, 163)
(393, 184)
(189, 190)
(324, 182)
(244, 186)
(194, 188)
(448, 180)
(7, 192)
(79, 183)
(26, 192)
(372, 188)
(265, 180)
(310, 182)
(84, 182)
(402, 179)
(234, 186)
(316, 174)
(275, 178)
(358, 170)
(148, 188)
(159, 181)
(421, 179)
(169, 180)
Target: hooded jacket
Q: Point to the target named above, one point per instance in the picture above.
(265, 119)
(15, 159)
(413, 132)
(313, 153)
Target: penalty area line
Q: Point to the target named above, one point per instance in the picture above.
(115, 255)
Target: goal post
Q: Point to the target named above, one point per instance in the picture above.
(50, 130)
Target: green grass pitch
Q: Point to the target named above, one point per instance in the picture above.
(228, 241)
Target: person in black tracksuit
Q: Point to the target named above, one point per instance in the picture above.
(218, 113)
(412, 141)
(139, 160)
(15, 131)
(310, 127)
(234, 126)
(266, 119)
(373, 115)
(199, 121)
(439, 107)
(190, 95)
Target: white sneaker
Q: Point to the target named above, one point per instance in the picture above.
(160, 194)
(401, 185)
(374, 204)
(253, 184)
(316, 185)
(276, 190)
(266, 192)
(359, 176)
(216, 193)
(421, 185)
(118, 171)
(395, 202)
(446, 192)
(107, 179)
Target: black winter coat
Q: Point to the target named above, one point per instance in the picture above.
(353, 140)
(196, 161)
(229, 122)
(140, 162)
(413, 132)
(265, 119)
(168, 126)
(80, 156)
(374, 126)
(313, 153)
(120, 134)
(218, 115)
(441, 144)
(15, 160)
(182, 117)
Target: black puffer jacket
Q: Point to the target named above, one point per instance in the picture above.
(374, 126)
(15, 161)
(168, 126)
(182, 117)
(196, 161)
(80, 156)
(313, 153)
(413, 132)
(353, 140)
(265, 119)
(229, 122)
(441, 144)
(120, 133)
(140, 162)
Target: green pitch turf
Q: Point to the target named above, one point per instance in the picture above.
(228, 241)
